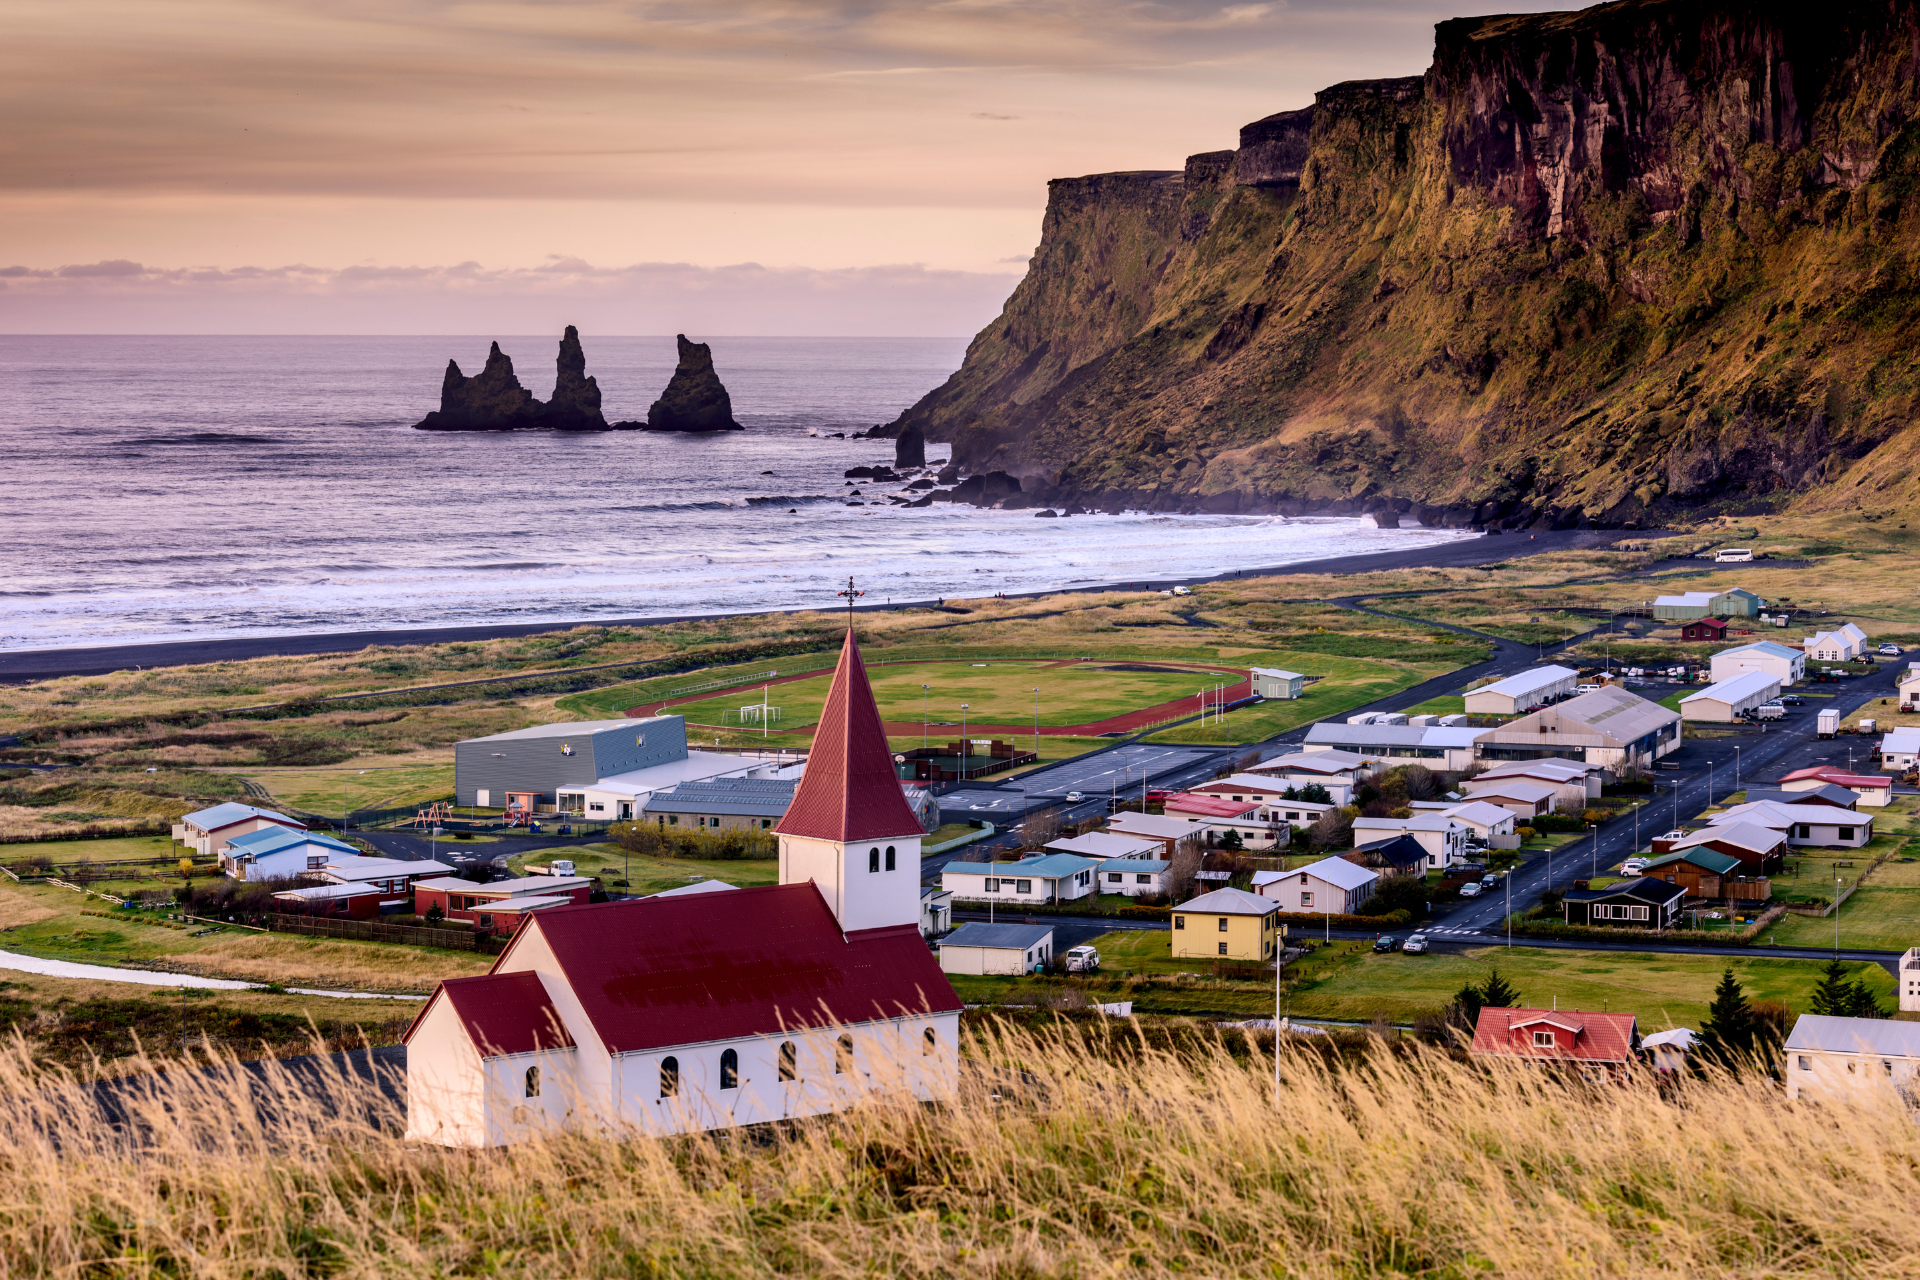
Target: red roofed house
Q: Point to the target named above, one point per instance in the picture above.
(1603, 1042)
(681, 1013)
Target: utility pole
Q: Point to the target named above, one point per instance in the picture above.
(1036, 722)
(966, 747)
(923, 715)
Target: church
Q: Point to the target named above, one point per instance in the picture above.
(689, 1012)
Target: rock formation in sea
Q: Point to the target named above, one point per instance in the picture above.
(494, 400)
(910, 450)
(694, 400)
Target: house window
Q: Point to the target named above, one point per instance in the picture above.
(929, 1041)
(1637, 913)
(1114, 877)
(1223, 924)
(765, 823)
(1303, 877)
(673, 819)
(1803, 832)
(1023, 886)
(843, 1055)
(730, 1069)
(1306, 899)
(1179, 922)
(1887, 1065)
(533, 1082)
(669, 1077)
(1806, 1063)
(993, 886)
(789, 1060)
(1223, 948)
(1846, 833)
(1142, 879)
(873, 860)
(713, 822)
(1543, 1039)
(889, 857)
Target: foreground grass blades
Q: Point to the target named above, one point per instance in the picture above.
(1075, 1152)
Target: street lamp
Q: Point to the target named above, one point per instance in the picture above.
(1036, 722)
(1736, 768)
(1593, 851)
(964, 744)
(923, 715)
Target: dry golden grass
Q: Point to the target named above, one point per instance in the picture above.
(324, 963)
(1126, 1163)
(16, 910)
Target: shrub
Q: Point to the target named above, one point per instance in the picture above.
(677, 842)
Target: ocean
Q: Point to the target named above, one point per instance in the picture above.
(172, 488)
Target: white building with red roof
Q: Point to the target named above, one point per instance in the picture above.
(682, 1013)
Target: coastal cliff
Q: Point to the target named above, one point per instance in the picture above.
(1595, 266)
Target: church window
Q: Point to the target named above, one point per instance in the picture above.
(730, 1069)
(889, 857)
(669, 1077)
(789, 1060)
(843, 1055)
(931, 1041)
(533, 1082)
(873, 859)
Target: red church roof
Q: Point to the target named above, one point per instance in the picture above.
(850, 790)
(503, 1013)
(660, 972)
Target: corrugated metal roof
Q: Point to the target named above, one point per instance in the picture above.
(225, 815)
(1229, 902)
(1106, 844)
(1641, 888)
(737, 797)
(503, 1013)
(258, 844)
(1742, 835)
(1707, 859)
(1480, 811)
(1512, 788)
(1878, 1037)
(1747, 684)
(581, 729)
(1402, 851)
(1601, 1037)
(1439, 737)
(1210, 806)
(1322, 762)
(1767, 647)
(1052, 866)
(657, 972)
(1338, 871)
(1551, 767)
(1142, 866)
(1529, 681)
(999, 937)
(851, 790)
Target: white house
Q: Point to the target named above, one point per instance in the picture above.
(1852, 1059)
(1732, 698)
(1910, 688)
(1134, 877)
(1331, 885)
(1900, 749)
(275, 852)
(1788, 666)
(1842, 645)
(936, 912)
(1271, 682)
(1436, 746)
(604, 1018)
(1495, 826)
(1573, 782)
(1522, 693)
(1444, 839)
(1047, 878)
(1338, 771)
(1817, 826)
(1669, 1049)
(976, 948)
(206, 830)
(1907, 981)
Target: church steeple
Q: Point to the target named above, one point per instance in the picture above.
(849, 828)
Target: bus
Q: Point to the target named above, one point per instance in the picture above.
(1733, 555)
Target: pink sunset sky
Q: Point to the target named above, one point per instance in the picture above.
(756, 167)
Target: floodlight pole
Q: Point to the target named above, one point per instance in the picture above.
(924, 690)
(964, 744)
(1036, 722)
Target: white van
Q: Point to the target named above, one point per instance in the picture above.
(1733, 555)
(1082, 959)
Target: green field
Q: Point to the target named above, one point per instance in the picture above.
(113, 849)
(1345, 683)
(647, 874)
(1877, 917)
(993, 693)
(322, 790)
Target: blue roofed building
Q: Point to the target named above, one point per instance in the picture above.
(1053, 877)
(280, 853)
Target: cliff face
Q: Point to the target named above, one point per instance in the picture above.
(1591, 265)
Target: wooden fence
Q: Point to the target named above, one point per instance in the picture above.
(373, 931)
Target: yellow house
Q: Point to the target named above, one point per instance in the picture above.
(1229, 924)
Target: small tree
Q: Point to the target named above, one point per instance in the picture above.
(1231, 841)
(1729, 1035)
(1463, 1010)
(1314, 793)
(1497, 992)
(1833, 995)
(435, 915)
(185, 868)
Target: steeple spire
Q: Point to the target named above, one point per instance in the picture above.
(850, 790)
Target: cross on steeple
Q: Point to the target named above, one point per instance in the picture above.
(851, 596)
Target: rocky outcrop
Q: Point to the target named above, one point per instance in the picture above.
(1592, 266)
(494, 400)
(910, 449)
(694, 399)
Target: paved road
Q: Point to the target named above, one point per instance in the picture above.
(43, 664)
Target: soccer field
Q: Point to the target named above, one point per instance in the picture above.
(984, 692)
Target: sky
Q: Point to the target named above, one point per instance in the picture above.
(633, 166)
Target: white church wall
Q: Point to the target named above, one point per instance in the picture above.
(446, 1086)
(861, 898)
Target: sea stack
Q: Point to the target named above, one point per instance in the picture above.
(694, 400)
(495, 401)
(910, 450)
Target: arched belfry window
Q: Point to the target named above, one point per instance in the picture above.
(873, 859)
(533, 1082)
(931, 1041)
(729, 1069)
(669, 1077)
(789, 1060)
(889, 857)
(843, 1055)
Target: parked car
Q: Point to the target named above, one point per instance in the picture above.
(1792, 700)
(1471, 889)
(1081, 959)
(1891, 650)
(1489, 881)
(1181, 591)
(1633, 866)
(1386, 942)
(1416, 944)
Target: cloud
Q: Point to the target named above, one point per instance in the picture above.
(641, 298)
(990, 115)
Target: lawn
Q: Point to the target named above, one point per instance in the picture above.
(45, 920)
(1877, 917)
(112, 849)
(366, 786)
(1345, 683)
